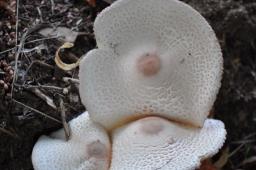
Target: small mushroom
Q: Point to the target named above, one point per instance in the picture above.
(155, 57)
(155, 143)
(88, 149)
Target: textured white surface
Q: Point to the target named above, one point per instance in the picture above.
(88, 148)
(155, 143)
(186, 85)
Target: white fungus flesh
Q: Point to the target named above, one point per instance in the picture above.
(155, 143)
(88, 149)
(155, 57)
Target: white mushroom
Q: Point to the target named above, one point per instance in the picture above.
(152, 81)
(88, 149)
(155, 57)
(155, 143)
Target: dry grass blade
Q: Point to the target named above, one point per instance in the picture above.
(22, 41)
(8, 132)
(109, 1)
(63, 118)
(251, 160)
(44, 97)
(37, 111)
(236, 150)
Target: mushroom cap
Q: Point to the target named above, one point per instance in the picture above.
(89, 148)
(178, 81)
(155, 143)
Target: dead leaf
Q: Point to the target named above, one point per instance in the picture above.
(222, 161)
(8, 5)
(66, 34)
(207, 165)
(92, 2)
(60, 63)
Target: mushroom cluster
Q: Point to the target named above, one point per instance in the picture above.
(148, 90)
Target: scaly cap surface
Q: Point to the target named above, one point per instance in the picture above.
(155, 143)
(88, 149)
(155, 57)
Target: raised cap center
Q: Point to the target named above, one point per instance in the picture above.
(97, 149)
(149, 64)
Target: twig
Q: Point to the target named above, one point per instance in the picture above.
(53, 6)
(36, 62)
(236, 150)
(5, 51)
(40, 87)
(244, 141)
(23, 38)
(40, 13)
(44, 97)
(63, 118)
(223, 159)
(68, 79)
(40, 63)
(41, 113)
(250, 136)
(8, 132)
(41, 39)
(17, 20)
(36, 48)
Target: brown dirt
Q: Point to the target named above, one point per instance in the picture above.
(234, 22)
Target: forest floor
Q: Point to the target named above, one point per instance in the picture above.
(32, 104)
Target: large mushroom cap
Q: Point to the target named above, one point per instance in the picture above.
(155, 143)
(88, 148)
(155, 57)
